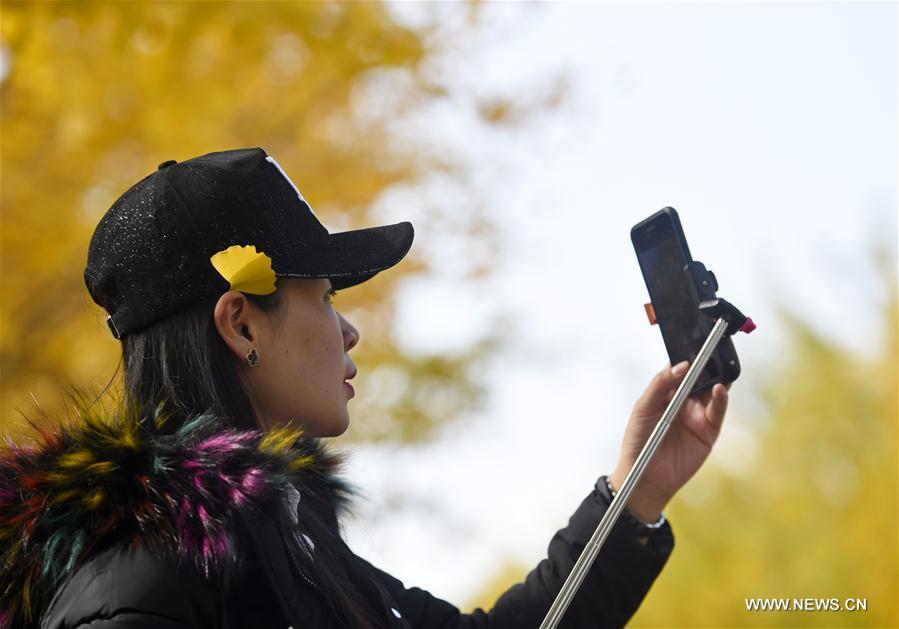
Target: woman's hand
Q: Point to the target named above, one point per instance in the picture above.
(683, 450)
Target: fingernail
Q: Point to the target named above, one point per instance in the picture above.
(680, 368)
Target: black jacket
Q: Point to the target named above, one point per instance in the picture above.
(129, 523)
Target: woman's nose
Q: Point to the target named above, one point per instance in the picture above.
(350, 333)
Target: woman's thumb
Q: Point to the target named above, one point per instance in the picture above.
(658, 393)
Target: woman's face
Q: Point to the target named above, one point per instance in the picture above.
(303, 360)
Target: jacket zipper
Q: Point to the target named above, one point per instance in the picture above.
(296, 563)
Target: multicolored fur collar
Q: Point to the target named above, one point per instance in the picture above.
(138, 479)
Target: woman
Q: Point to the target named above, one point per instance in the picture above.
(205, 499)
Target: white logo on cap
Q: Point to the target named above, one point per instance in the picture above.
(271, 159)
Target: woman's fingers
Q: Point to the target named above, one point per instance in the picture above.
(662, 387)
(717, 407)
(703, 414)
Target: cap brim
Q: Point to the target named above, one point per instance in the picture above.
(352, 257)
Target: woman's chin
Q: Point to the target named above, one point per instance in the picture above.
(337, 427)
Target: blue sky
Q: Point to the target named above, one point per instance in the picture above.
(771, 127)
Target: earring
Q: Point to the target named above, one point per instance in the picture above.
(252, 357)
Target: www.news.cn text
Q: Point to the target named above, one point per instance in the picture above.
(808, 604)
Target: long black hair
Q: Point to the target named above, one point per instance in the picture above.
(183, 362)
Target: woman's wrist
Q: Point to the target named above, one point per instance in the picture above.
(641, 504)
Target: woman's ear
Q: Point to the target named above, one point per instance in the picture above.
(237, 322)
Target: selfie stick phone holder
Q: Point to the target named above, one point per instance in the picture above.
(728, 321)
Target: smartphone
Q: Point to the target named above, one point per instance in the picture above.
(677, 284)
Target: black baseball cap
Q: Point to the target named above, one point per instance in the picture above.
(150, 254)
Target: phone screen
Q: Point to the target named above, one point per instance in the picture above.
(663, 262)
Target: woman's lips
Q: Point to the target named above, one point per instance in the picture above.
(349, 376)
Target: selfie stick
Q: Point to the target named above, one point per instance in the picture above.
(729, 321)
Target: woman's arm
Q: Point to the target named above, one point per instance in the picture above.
(621, 576)
(627, 565)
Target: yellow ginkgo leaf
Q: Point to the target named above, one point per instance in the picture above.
(245, 269)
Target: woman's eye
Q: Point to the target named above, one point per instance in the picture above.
(330, 295)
